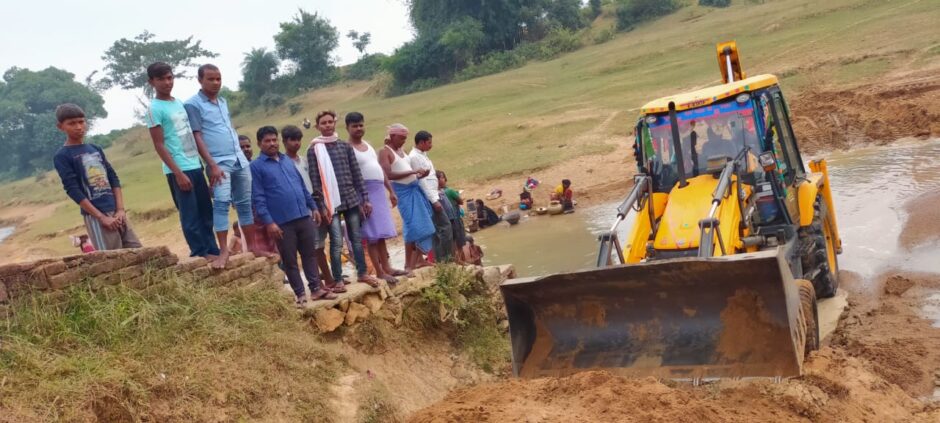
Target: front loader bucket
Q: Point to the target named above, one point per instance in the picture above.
(688, 318)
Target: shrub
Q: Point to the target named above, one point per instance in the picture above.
(633, 12)
(366, 67)
(558, 41)
(714, 3)
(272, 101)
(294, 108)
(604, 36)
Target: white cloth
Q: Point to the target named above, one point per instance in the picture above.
(369, 164)
(304, 168)
(419, 161)
(401, 164)
(331, 195)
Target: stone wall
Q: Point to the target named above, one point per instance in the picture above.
(132, 267)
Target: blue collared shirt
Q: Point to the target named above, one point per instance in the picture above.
(213, 121)
(278, 194)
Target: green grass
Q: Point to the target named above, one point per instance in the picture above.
(512, 122)
(176, 351)
(460, 305)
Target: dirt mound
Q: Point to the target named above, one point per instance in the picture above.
(921, 225)
(882, 360)
(829, 119)
(835, 385)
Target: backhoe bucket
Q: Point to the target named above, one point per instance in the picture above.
(687, 318)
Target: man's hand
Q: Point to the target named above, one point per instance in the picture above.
(274, 231)
(394, 199)
(216, 175)
(421, 173)
(437, 206)
(121, 217)
(367, 209)
(316, 217)
(183, 182)
(325, 218)
(109, 222)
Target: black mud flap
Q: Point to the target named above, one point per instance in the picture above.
(688, 318)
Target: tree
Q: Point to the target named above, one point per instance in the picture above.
(308, 41)
(566, 13)
(126, 60)
(464, 38)
(258, 71)
(27, 116)
(596, 8)
(360, 41)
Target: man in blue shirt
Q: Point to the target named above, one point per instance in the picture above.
(288, 213)
(210, 122)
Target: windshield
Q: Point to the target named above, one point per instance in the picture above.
(721, 129)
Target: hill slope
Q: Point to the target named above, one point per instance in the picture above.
(564, 116)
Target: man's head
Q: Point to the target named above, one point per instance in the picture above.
(441, 179)
(479, 203)
(423, 140)
(355, 125)
(566, 183)
(71, 120)
(267, 140)
(326, 122)
(210, 78)
(245, 144)
(292, 137)
(469, 239)
(160, 77)
(396, 134)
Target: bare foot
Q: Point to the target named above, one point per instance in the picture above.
(265, 254)
(322, 294)
(423, 263)
(373, 282)
(210, 258)
(220, 261)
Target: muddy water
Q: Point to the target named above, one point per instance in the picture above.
(870, 187)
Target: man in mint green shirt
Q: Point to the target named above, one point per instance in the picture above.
(180, 151)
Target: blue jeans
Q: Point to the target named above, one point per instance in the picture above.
(195, 208)
(353, 219)
(235, 188)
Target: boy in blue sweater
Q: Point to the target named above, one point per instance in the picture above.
(91, 182)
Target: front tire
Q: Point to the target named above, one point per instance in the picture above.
(818, 256)
(810, 315)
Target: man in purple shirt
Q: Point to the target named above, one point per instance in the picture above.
(288, 214)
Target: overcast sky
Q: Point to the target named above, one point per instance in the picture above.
(73, 34)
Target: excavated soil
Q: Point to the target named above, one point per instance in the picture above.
(832, 119)
(923, 221)
(880, 367)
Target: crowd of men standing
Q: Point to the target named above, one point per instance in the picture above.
(287, 203)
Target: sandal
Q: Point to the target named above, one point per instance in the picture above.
(338, 288)
(322, 294)
(373, 282)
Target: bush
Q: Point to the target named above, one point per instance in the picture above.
(366, 67)
(492, 63)
(604, 36)
(714, 3)
(558, 41)
(294, 108)
(272, 101)
(633, 12)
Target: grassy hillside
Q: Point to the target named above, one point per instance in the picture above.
(543, 114)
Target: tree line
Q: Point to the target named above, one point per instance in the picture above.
(454, 40)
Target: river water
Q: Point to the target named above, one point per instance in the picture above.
(870, 187)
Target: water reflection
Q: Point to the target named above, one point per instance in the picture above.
(5, 232)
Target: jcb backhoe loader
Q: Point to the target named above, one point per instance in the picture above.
(732, 241)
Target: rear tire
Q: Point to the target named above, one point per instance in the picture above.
(818, 255)
(810, 315)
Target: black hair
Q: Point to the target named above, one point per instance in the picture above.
(208, 66)
(440, 174)
(68, 111)
(158, 70)
(291, 132)
(354, 117)
(566, 182)
(265, 130)
(244, 138)
(324, 113)
(422, 136)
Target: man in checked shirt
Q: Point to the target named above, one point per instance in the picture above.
(339, 191)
